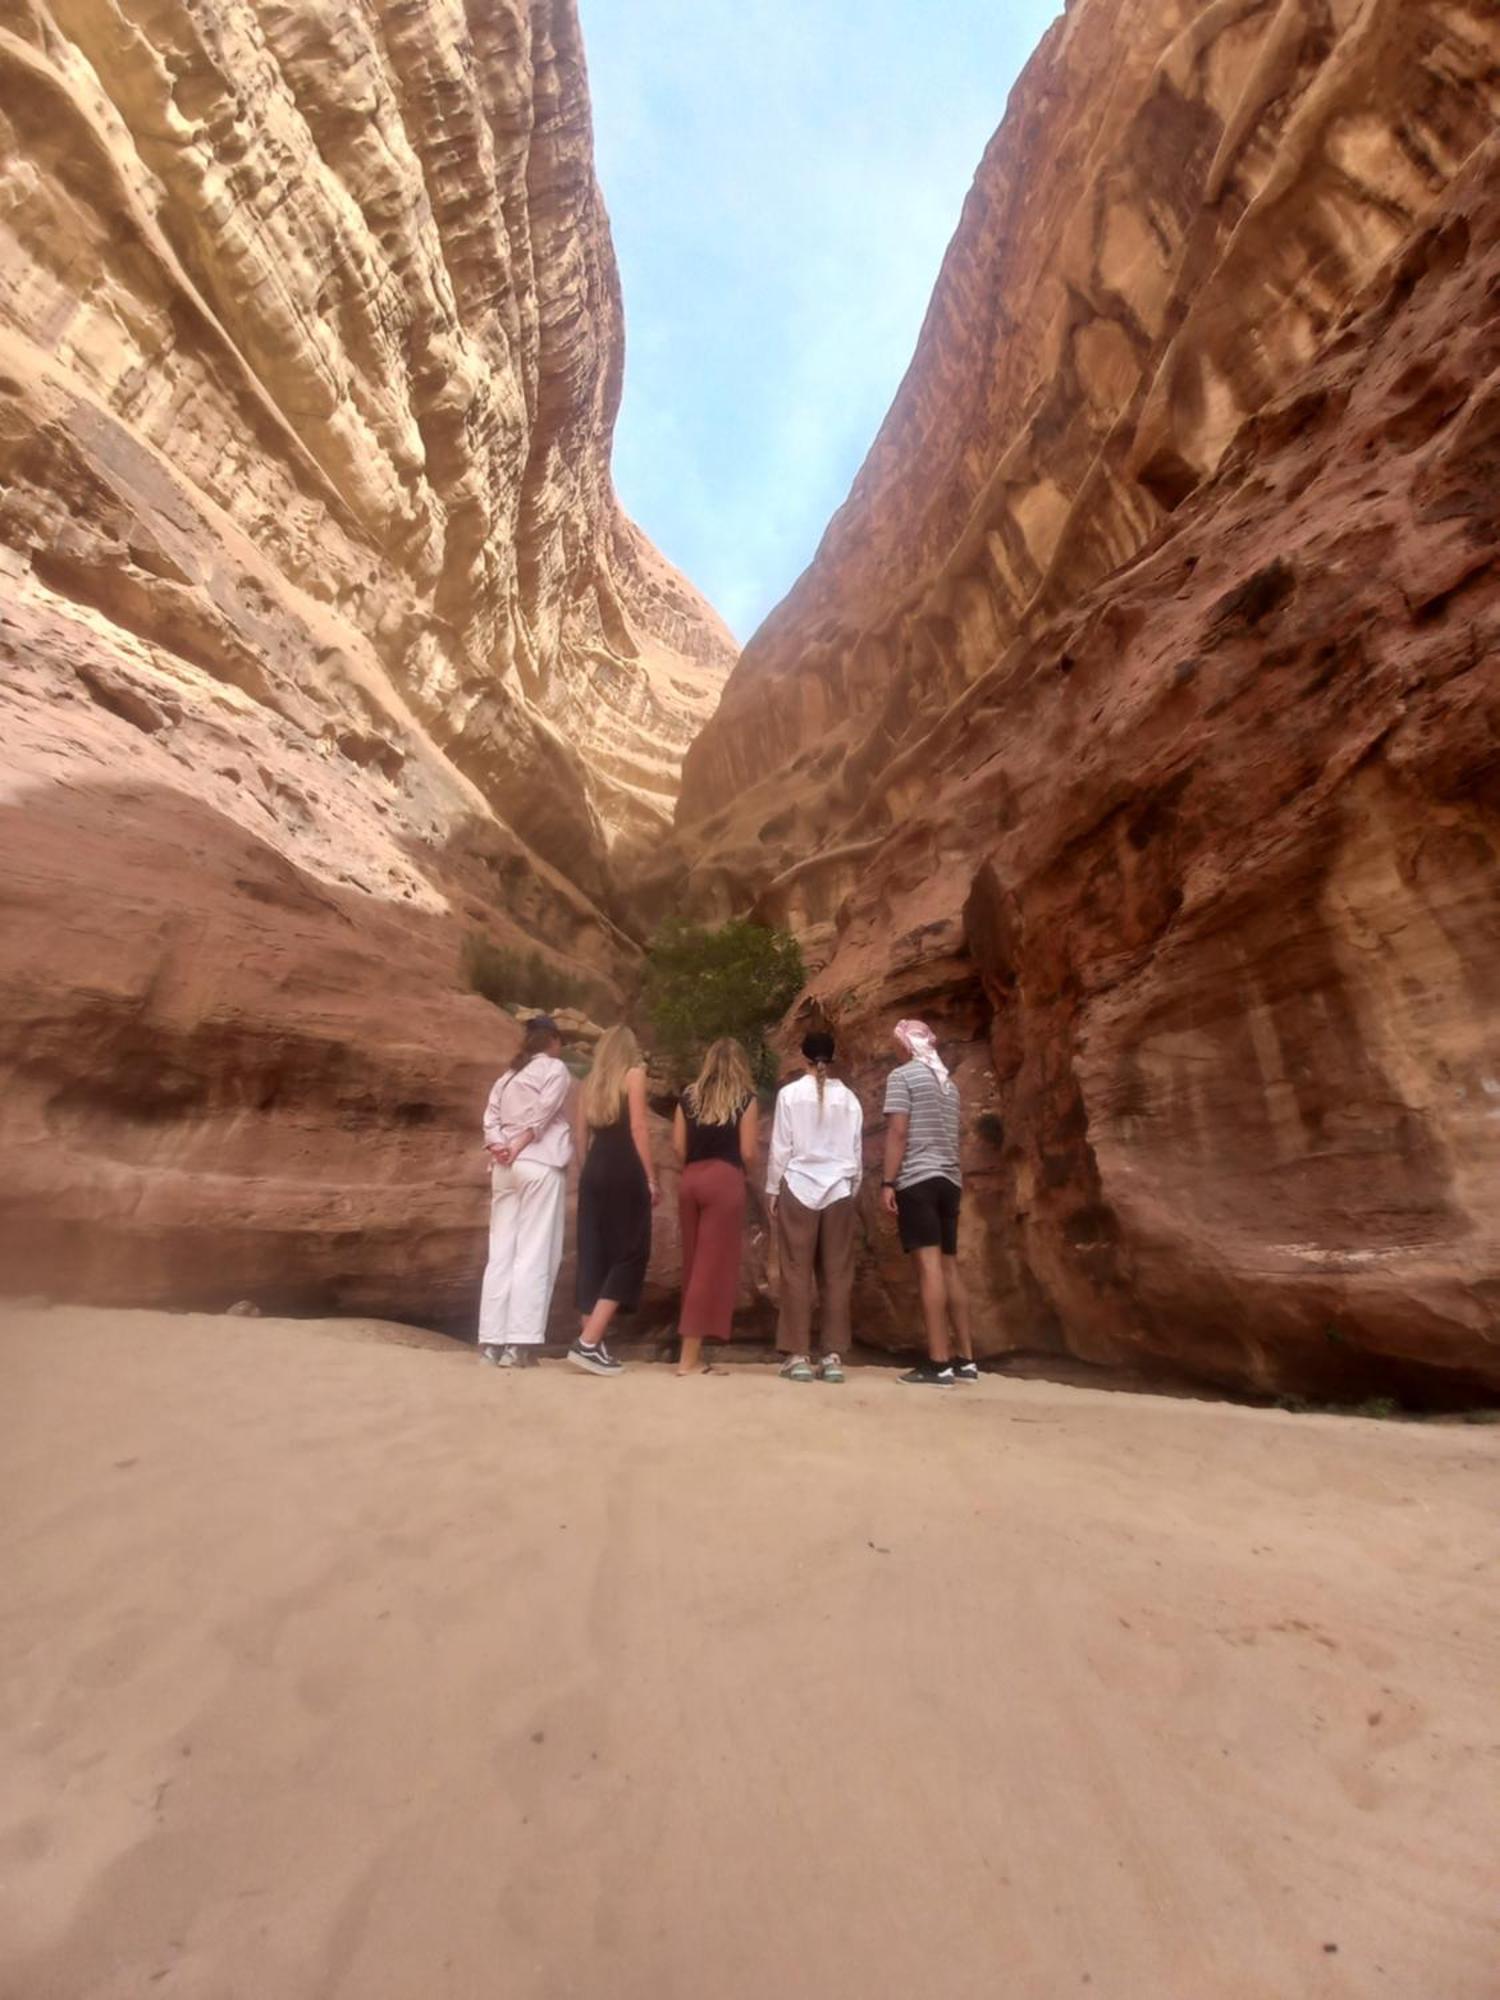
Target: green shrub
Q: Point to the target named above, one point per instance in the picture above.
(699, 984)
(1381, 1407)
(520, 979)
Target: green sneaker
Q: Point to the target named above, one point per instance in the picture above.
(832, 1369)
(797, 1369)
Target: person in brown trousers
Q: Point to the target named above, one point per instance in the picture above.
(815, 1164)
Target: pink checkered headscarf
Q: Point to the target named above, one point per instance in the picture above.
(920, 1044)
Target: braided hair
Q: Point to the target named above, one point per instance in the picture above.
(818, 1048)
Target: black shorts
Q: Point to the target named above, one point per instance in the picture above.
(927, 1212)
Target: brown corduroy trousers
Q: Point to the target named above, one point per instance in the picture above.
(814, 1242)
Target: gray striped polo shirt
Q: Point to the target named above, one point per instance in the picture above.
(932, 1131)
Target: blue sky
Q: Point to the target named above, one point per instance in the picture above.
(783, 177)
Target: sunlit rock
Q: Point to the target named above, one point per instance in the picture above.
(323, 640)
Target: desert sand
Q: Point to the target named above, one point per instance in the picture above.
(337, 1666)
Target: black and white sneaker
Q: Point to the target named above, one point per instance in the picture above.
(964, 1371)
(597, 1360)
(928, 1375)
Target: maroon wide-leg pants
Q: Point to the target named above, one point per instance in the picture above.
(711, 1205)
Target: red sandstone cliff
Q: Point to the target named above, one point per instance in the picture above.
(323, 640)
(1138, 720)
(1183, 198)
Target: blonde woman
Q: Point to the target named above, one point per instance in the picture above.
(715, 1134)
(617, 1191)
(817, 1157)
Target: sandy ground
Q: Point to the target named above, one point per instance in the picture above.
(344, 1668)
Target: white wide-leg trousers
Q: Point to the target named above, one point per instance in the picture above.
(526, 1246)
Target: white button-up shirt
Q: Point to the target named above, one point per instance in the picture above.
(816, 1150)
(535, 1097)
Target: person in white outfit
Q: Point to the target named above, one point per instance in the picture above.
(529, 1137)
(817, 1157)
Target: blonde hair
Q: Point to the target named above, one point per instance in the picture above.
(723, 1086)
(604, 1087)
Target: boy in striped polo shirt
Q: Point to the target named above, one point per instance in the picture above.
(922, 1188)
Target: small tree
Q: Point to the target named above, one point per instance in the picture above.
(737, 980)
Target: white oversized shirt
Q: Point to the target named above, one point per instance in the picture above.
(819, 1158)
(534, 1097)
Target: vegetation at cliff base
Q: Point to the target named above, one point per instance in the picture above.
(699, 984)
(520, 979)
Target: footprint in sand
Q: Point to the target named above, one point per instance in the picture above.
(1366, 1757)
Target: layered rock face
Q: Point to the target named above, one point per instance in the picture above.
(1181, 201)
(1138, 722)
(323, 640)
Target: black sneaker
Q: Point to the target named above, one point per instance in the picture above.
(597, 1360)
(964, 1371)
(927, 1375)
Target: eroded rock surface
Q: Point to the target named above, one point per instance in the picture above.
(1138, 720)
(323, 640)
(1182, 200)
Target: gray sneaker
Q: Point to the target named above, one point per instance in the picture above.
(797, 1369)
(490, 1356)
(832, 1369)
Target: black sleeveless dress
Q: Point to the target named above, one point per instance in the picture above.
(614, 1219)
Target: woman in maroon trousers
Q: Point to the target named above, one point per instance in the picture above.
(714, 1132)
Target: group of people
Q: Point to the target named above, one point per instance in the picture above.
(536, 1123)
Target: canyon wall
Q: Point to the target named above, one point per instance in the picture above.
(324, 643)
(1138, 719)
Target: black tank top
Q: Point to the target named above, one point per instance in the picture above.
(612, 1160)
(714, 1142)
(615, 1142)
